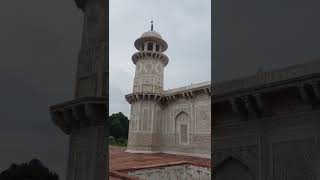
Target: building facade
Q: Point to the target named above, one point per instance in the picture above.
(266, 126)
(174, 121)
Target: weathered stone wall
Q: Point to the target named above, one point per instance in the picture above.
(143, 126)
(185, 172)
(86, 154)
(270, 131)
(145, 116)
(157, 127)
(196, 114)
(281, 148)
(149, 76)
(91, 78)
(173, 121)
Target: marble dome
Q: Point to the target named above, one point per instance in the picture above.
(151, 34)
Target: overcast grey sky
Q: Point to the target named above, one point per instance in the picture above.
(40, 41)
(268, 34)
(185, 25)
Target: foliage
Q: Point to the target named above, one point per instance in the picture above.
(119, 142)
(34, 170)
(118, 125)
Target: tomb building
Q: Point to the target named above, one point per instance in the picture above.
(175, 121)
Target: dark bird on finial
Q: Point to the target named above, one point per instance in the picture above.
(151, 25)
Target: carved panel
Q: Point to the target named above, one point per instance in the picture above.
(134, 117)
(184, 133)
(147, 88)
(201, 140)
(181, 108)
(157, 89)
(294, 160)
(136, 88)
(137, 80)
(157, 120)
(86, 86)
(145, 119)
(149, 67)
(147, 80)
(203, 119)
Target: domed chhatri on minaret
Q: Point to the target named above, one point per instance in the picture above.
(152, 36)
(165, 121)
(141, 43)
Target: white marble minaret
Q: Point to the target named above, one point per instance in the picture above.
(147, 91)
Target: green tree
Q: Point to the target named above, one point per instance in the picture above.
(118, 125)
(33, 170)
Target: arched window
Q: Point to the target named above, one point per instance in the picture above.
(157, 47)
(182, 128)
(150, 46)
(183, 134)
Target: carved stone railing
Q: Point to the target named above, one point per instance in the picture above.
(187, 92)
(82, 112)
(143, 54)
(262, 78)
(138, 96)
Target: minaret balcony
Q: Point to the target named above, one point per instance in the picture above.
(134, 97)
(77, 113)
(150, 54)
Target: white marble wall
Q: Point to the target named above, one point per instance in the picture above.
(185, 172)
(148, 76)
(196, 114)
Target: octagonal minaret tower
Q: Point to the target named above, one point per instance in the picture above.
(84, 118)
(147, 92)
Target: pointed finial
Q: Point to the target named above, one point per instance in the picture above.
(151, 25)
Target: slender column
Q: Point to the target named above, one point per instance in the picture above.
(234, 106)
(247, 103)
(316, 89)
(258, 99)
(303, 93)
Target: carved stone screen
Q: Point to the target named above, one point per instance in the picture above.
(184, 134)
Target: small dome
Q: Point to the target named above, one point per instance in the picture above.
(151, 34)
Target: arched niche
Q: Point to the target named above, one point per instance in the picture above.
(182, 128)
(231, 169)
